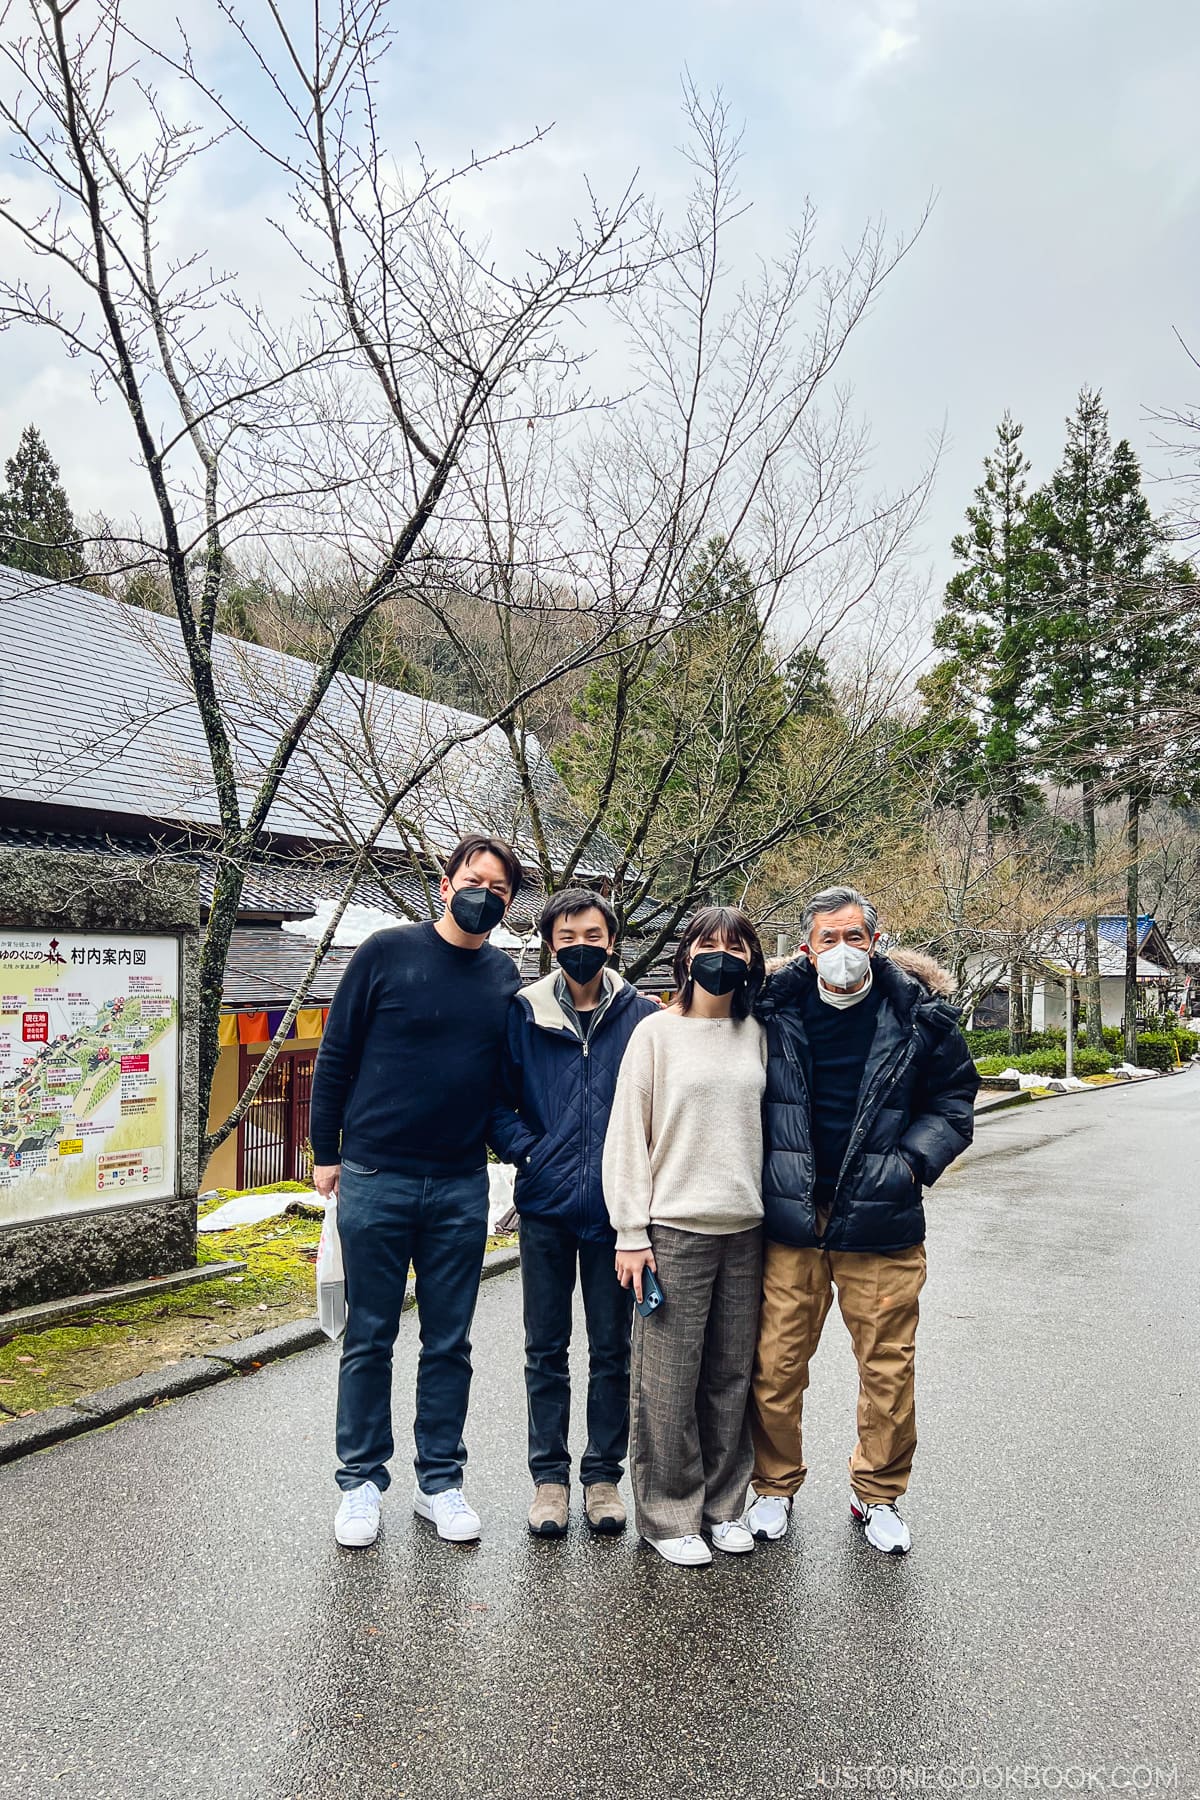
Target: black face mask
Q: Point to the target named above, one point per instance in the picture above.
(718, 972)
(476, 910)
(582, 962)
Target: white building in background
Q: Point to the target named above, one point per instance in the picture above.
(1164, 984)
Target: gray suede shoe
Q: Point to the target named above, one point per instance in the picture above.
(603, 1508)
(549, 1513)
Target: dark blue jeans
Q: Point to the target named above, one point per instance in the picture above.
(439, 1225)
(549, 1256)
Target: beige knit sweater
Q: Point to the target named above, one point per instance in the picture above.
(684, 1144)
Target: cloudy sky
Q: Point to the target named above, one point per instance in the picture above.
(1057, 136)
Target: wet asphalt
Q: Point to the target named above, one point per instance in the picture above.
(175, 1619)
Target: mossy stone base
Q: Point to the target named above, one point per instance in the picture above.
(77, 1254)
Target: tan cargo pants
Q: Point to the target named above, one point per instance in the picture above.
(878, 1296)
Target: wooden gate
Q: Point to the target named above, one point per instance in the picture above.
(272, 1139)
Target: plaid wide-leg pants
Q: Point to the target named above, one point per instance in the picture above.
(690, 1451)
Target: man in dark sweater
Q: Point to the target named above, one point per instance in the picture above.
(870, 1092)
(405, 1080)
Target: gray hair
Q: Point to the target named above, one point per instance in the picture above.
(833, 900)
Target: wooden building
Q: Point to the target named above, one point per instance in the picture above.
(102, 750)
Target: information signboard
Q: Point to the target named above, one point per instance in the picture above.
(89, 1071)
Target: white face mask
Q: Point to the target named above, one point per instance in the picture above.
(843, 966)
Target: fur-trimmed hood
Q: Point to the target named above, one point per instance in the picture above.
(918, 963)
(923, 968)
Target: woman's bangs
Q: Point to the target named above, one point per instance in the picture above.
(729, 928)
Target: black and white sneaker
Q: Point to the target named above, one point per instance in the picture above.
(885, 1529)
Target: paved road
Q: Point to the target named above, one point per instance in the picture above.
(175, 1619)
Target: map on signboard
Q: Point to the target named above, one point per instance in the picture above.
(89, 1071)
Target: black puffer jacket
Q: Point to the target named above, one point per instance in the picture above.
(915, 1110)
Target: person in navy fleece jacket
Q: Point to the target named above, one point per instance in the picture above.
(566, 1035)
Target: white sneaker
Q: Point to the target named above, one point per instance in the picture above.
(357, 1522)
(768, 1518)
(689, 1552)
(885, 1529)
(455, 1520)
(732, 1536)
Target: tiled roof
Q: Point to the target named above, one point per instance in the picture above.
(1157, 959)
(290, 888)
(265, 965)
(97, 712)
(1066, 950)
(281, 887)
(1111, 929)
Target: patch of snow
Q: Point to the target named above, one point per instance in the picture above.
(247, 1209)
(355, 926)
(256, 1209)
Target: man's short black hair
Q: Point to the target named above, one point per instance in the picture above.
(469, 847)
(568, 903)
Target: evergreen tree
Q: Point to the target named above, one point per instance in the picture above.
(37, 528)
(1094, 530)
(1154, 656)
(945, 744)
(978, 697)
(689, 747)
(987, 625)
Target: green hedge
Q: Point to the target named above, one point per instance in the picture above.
(1047, 1062)
(994, 1041)
(1156, 1050)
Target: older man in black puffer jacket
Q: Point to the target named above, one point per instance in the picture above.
(870, 1097)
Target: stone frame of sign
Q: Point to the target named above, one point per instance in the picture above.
(88, 1249)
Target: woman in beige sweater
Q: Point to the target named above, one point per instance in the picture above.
(683, 1187)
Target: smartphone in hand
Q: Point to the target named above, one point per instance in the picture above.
(652, 1295)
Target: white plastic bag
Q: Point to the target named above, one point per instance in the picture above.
(331, 1276)
(501, 1177)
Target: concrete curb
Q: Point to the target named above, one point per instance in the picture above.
(48, 1312)
(110, 1403)
(241, 1357)
(1030, 1096)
